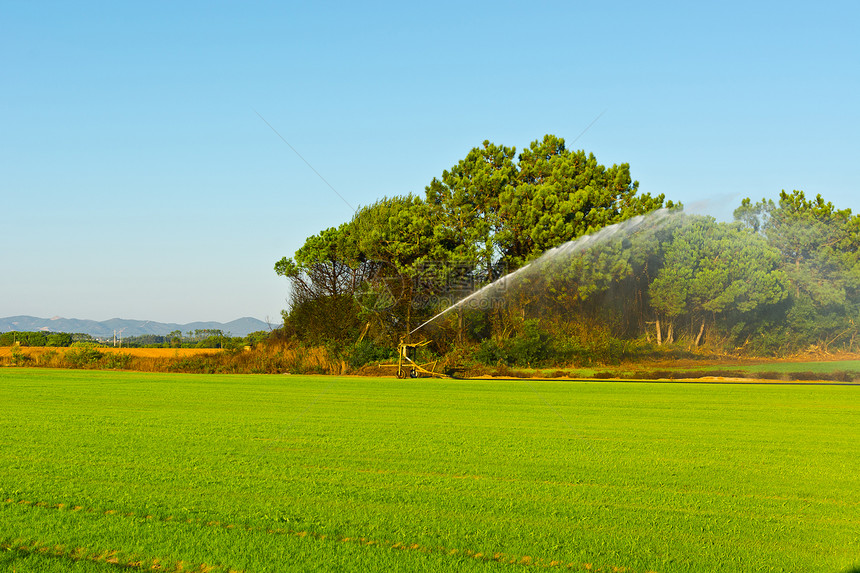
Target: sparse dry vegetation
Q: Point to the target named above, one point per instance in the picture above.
(276, 358)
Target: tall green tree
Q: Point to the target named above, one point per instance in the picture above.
(819, 253)
(559, 195)
(326, 272)
(466, 202)
(397, 235)
(718, 272)
(488, 214)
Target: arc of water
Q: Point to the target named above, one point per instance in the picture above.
(568, 248)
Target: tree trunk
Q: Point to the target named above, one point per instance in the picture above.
(659, 334)
(670, 335)
(461, 326)
(408, 316)
(701, 332)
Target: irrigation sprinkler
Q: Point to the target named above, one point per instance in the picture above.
(406, 364)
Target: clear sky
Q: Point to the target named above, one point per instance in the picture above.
(138, 181)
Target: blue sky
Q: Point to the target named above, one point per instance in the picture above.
(137, 180)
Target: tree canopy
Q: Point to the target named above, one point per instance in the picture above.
(783, 275)
(487, 215)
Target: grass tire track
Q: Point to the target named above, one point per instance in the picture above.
(155, 564)
(114, 558)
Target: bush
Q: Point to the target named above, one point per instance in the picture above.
(200, 364)
(18, 356)
(535, 346)
(120, 361)
(82, 355)
(367, 351)
(805, 376)
(503, 372)
(571, 351)
(531, 348)
(769, 375)
(490, 353)
(845, 375)
(606, 375)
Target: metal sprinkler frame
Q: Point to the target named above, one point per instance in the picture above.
(407, 366)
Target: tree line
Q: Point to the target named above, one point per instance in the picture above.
(781, 277)
(42, 338)
(200, 338)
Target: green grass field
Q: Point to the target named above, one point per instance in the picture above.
(780, 369)
(113, 471)
(818, 366)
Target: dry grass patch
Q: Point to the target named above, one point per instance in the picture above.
(161, 352)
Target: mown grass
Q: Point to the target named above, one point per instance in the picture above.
(817, 366)
(110, 470)
(810, 371)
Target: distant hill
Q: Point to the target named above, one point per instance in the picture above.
(106, 328)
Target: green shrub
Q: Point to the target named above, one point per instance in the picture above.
(845, 375)
(18, 356)
(805, 376)
(194, 365)
(532, 347)
(490, 353)
(117, 361)
(769, 375)
(604, 375)
(571, 351)
(367, 351)
(82, 355)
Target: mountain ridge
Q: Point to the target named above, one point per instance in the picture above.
(127, 327)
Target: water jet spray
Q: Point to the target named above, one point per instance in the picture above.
(653, 220)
